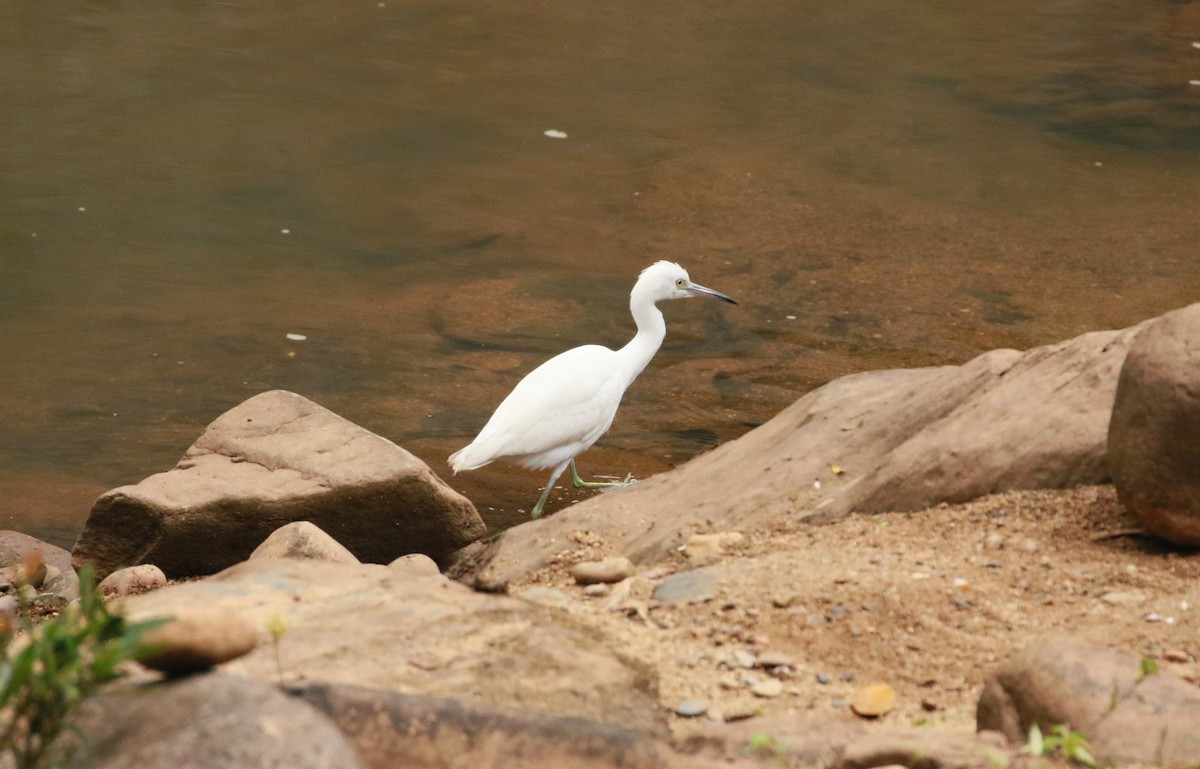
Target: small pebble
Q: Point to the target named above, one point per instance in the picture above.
(775, 660)
(691, 708)
(694, 586)
(1176, 655)
(596, 590)
(744, 659)
(609, 570)
(771, 687)
(847, 676)
(873, 701)
(823, 678)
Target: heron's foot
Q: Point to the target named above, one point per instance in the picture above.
(582, 484)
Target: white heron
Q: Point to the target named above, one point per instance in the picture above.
(564, 405)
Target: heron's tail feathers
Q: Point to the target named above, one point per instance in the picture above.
(470, 457)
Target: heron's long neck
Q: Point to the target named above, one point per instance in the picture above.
(651, 330)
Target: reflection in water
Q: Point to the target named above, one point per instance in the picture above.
(880, 185)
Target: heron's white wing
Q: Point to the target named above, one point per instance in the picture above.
(559, 409)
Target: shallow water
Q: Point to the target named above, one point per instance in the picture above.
(878, 184)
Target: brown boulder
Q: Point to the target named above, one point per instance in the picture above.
(274, 459)
(402, 628)
(302, 539)
(881, 441)
(392, 729)
(15, 547)
(202, 722)
(1154, 435)
(1127, 717)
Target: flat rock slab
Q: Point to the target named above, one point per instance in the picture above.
(881, 441)
(838, 743)
(391, 729)
(1126, 717)
(203, 722)
(275, 459)
(403, 629)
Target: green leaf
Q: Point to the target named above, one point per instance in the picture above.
(1036, 746)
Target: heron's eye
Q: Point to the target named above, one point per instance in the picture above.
(679, 283)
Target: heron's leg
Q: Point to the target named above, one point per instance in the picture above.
(582, 484)
(537, 509)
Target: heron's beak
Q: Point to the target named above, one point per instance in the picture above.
(698, 289)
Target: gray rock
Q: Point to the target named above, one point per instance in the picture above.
(1154, 435)
(64, 586)
(302, 539)
(1127, 719)
(905, 440)
(198, 638)
(134, 579)
(274, 459)
(368, 625)
(392, 729)
(203, 722)
(607, 571)
(694, 586)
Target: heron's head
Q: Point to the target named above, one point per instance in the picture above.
(667, 280)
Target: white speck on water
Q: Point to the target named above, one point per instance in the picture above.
(83, 208)
(1194, 82)
(554, 133)
(790, 317)
(286, 232)
(297, 337)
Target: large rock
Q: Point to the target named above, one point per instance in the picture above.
(1154, 436)
(392, 729)
(874, 442)
(203, 722)
(404, 629)
(15, 547)
(275, 459)
(1127, 717)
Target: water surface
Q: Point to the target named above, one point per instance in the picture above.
(878, 184)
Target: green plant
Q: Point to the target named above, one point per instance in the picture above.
(57, 663)
(765, 744)
(276, 627)
(1071, 744)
